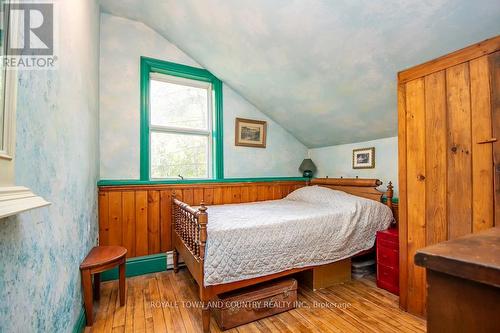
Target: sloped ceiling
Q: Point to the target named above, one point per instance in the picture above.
(325, 70)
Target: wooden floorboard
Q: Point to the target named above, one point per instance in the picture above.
(166, 302)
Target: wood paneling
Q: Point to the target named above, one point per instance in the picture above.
(236, 195)
(187, 196)
(103, 218)
(446, 151)
(435, 157)
(140, 217)
(141, 220)
(153, 222)
(459, 151)
(128, 209)
(165, 220)
(115, 235)
(482, 154)
(403, 211)
(415, 175)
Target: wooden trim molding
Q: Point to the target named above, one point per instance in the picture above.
(17, 199)
(114, 183)
(463, 55)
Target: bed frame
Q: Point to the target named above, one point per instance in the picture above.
(189, 236)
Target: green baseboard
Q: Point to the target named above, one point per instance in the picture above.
(81, 322)
(139, 266)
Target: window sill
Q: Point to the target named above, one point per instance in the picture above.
(18, 199)
(120, 182)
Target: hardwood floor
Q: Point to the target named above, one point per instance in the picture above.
(167, 302)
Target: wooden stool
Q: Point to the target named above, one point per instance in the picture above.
(99, 259)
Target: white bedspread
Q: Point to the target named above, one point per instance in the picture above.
(312, 226)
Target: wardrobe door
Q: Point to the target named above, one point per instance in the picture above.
(448, 160)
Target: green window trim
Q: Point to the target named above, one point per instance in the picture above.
(150, 65)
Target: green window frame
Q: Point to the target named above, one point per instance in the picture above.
(150, 65)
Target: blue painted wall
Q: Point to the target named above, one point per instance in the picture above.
(281, 157)
(123, 42)
(57, 156)
(336, 161)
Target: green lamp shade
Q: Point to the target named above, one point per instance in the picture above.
(308, 168)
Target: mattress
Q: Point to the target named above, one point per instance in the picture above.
(311, 226)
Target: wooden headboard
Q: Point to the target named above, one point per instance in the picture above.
(361, 187)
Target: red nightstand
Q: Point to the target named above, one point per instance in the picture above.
(388, 260)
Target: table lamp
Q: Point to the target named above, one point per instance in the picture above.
(307, 168)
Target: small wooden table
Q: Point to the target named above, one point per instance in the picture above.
(100, 259)
(463, 283)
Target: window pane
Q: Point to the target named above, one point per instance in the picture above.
(179, 154)
(178, 105)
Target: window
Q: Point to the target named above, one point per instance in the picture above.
(8, 78)
(13, 199)
(180, 127)
(181, 123)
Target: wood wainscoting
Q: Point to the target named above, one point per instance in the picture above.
(138, 217)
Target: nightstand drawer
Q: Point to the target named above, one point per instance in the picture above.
(387, 244)
(387, 276)
(389, 235)
(387, 256)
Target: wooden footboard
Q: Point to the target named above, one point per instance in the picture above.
(189, 236)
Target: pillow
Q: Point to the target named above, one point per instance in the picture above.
(316, 194)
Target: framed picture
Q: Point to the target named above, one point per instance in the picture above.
(250, 133)
(363, 158)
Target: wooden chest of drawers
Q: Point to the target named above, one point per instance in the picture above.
(388, 260)
(463, 283)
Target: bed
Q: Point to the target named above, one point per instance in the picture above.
(245, 244)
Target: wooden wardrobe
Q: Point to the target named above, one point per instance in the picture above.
(449, 123)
